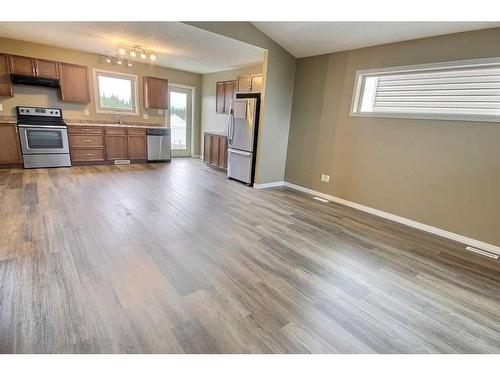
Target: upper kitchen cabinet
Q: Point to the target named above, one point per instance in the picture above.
(22, 65)
(74, 83)
(29, 66)
(46, 69)
(250, 83)
(224, 95)
(155, 93)
(5, 84)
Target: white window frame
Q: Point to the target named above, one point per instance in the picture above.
(135, 98)
(361, 74)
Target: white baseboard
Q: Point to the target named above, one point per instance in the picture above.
(197, 156)
(269, 185)
(411, 223)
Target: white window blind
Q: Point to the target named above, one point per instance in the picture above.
(465, 91)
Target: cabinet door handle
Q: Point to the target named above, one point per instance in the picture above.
(88, 154)
(86, 140)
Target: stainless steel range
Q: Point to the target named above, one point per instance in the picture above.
(44, 137)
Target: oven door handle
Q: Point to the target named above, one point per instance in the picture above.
(42, 126)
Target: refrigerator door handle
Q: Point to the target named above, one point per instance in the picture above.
(239, 152)
(230, 125)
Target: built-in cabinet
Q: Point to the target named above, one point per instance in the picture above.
(224, 95)
(29, 66)
(5, 83)
(10, 149)
(74, 82)
(249, 83)
(215, 150)
(101, 144)
(155, 93)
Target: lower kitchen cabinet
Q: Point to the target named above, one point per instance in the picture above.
(10, 150)
(116, 144)
(136, 144)
(215, 150)
(86, 144)
(96, 144)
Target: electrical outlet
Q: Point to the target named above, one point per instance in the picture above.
(87, 112)
(1, 107)
(327, 178)
(322, 177)
(145, 116)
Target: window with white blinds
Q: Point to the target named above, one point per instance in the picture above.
(463, 90)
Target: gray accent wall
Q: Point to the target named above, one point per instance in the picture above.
(442, 173)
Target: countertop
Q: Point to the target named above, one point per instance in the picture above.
(223, 134)
(107, 124)
(13, 120)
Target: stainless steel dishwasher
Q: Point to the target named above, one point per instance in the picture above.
(158, 144)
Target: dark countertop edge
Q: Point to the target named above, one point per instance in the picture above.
(144, 126)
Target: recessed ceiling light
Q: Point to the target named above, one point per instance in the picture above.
(121, 51)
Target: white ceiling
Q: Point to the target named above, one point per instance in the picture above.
(303, 39)
(177, 45)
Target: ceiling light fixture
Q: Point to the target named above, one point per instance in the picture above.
(133, 53)
(108, 60)
(122, 51)
(119, 62)
(152, 57)
(136, 50)
(143, 55)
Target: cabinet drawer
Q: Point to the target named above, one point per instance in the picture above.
(118, 131)
(87, 155)
(138, 131)
(86, 140)
(85, 129)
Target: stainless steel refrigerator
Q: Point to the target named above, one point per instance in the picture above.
(242, 130)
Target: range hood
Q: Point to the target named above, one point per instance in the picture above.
(31, 80)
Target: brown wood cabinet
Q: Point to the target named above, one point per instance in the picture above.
(22, 65)
(116, 144)
(10, 150)
(30, 66)
(224, 95)
(46, 69)
(5, 84)
(215, 150)
(74, 83)
(155, 93)
(86, 143)
(106, 144)
(249, 83)
(136, 144)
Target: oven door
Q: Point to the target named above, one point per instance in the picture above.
(43, 139)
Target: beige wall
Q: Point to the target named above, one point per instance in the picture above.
(210, 120)
(40, 96)
(442, 173)
(279, 76)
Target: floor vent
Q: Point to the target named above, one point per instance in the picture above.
(122, 162)
(482, 252)
(321, 199)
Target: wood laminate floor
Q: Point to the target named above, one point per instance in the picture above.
(174, 258)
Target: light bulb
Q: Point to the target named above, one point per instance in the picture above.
(129, 64)
(152, 57)
(121, 51)
(133, 54)
(143, 55)
(119, 62)
(108, 60)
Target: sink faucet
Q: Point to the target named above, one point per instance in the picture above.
(119, 119)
